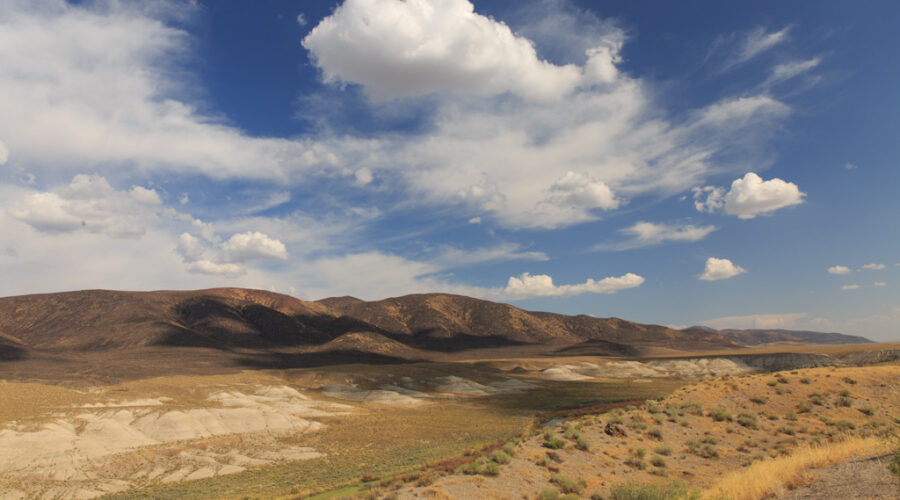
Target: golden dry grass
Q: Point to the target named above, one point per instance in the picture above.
(777, 475)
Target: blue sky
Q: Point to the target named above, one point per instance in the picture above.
(719, 163)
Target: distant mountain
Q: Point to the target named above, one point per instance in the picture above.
(756, 337)
(223, 328)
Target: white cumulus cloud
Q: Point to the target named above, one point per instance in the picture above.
(91, 204)
(720, 269)
(253, 245)
(749, 196)
(399, 48)
(879, 283)
(854, 286)
(541, 285)
(838, 270)
(874, 266)
(214, 268)
(144, 195)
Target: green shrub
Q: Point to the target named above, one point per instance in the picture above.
(554, 443)
(658, 461)
(582, 443)
(566, 485)
(845, 402)
(720, 415)
(805, 380)
(655, 433)
(772, 383)
(510, 448)
(849, 380)
(760, 400)
(501, 457)
(894, 463)
(844, 425)
(747, 420)
(634, 491)
(549, 494)
(635, 462)
(867, 411)
(491, 469)
(664, 450)
(804, 407)
(781, 379)
(638, 452)
(845, 393)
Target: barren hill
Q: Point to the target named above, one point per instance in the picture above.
(229, 328)
(758, 336)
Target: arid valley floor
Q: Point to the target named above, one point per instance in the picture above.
(354, 407)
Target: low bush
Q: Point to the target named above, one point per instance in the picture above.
(658, 461)
(747, 420)
(636, 491)
(635, 462)
(867, 411)
(760, 400)
(554, 443)
(500, 457)
(582, 443)
(849, 380)
(567, 485)
(805, 380)
(655, 433)
(720, 415)
(549, 494)
(663, 450)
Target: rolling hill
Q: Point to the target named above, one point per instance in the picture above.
(229, 328)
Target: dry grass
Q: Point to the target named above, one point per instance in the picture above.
(776, 475)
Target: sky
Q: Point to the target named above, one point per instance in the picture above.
(731, 164)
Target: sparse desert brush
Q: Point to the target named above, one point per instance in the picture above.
(772, 383)
(658, 461)
(500, 457)
(844, 425)
(663, 450)
(554, 443)
(692, 407)
(894, 463)
(764, 478)
(720, 415)
(867, 411)
(549, 494)
(567, 485)
(747, 420)
(844, 402)
(582, 443)
(634, 491)
(655, 433)
(804, 407)
(849, 380)
(760, 400)
(805, 380)
(781, 379)
(491, 469)
(635, 462)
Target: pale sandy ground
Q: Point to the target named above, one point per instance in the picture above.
(109, 445)
(701, 367)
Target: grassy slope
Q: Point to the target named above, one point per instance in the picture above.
(784, 413)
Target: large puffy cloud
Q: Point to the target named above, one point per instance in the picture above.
(541, 285)
(749, 196)
(720, 269)
(253, 245)
(88, 203)
(101, 84)
(399, 48)
(651, 233)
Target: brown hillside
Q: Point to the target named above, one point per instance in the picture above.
(430, 318)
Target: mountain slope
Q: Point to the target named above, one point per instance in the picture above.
(759, 336)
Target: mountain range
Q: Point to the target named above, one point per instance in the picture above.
(257, 328)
